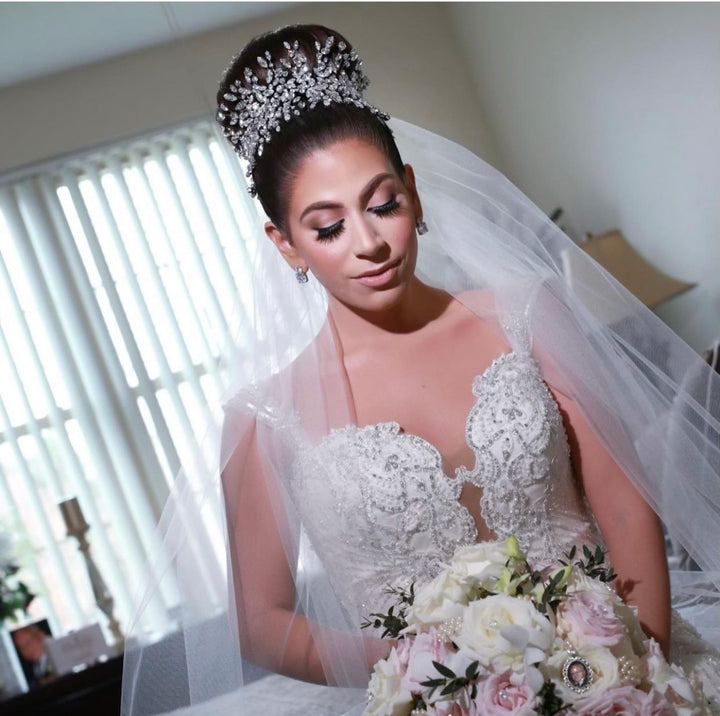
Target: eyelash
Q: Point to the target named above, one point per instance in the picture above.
(387, 209)
(328, 233)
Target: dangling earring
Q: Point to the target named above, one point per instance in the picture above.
(421, 226)
(301, 274)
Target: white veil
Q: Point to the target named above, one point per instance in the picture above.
(649, 397)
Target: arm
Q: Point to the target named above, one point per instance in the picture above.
(272, 633)
(631, 529)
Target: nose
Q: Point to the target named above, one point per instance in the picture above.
(369, 243)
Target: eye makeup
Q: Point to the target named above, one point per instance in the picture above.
(327, 233)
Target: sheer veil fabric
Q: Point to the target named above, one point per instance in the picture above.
(649, 397)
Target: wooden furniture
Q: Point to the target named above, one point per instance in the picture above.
(95, 691)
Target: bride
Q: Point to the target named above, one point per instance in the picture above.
(398, 397)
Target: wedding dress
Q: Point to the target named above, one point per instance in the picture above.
(381, 512)
(361, 507)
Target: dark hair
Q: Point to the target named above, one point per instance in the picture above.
(313, 129)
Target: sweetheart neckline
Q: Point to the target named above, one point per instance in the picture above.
(477, 380)
(462, 474)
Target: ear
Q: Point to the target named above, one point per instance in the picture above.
(284, 246)
(414, 197)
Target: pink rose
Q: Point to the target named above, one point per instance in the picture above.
(460, 704)
(499, 696)
(423, 650)
(403, 650)
(624, 701)
(453, 709)
(588, 618)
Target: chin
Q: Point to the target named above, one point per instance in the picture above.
(382, 299)
(375, 300)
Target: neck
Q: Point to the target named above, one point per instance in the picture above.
(419, 305)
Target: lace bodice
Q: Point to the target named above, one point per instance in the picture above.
(379, 509)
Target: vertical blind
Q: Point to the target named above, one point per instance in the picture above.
(121, 273)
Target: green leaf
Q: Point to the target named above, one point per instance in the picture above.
(471, 672)
(432, 683)
(444, 670)
(451, 688)
(550, 702)
(419, 703)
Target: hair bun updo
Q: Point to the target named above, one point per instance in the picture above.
(289, 92)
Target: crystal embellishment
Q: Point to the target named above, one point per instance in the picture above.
(254, 111)
(379, 510)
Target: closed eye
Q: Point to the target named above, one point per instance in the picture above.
(386, 209)
(327, 233)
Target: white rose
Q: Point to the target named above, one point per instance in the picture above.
(481, 560)
(698, 706)
(387, 696)
(670, 681)
(459, 662)
(580, 582)
(506, 632)
(629, 616)
(437, 601)
(605, 667)
(659, 673)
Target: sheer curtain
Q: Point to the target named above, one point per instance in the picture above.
(121, 277)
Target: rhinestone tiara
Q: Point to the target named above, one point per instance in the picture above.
(251, 115)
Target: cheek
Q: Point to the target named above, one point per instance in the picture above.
(407, 236)
(327, 263)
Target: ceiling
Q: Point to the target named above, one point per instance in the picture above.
(40, 38)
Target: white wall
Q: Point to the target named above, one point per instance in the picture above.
(409, 50)
(612, 111)
(609, 110)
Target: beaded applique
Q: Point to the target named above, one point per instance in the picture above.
(521, 452)
(379, 509)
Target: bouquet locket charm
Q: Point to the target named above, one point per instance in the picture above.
(576, 672)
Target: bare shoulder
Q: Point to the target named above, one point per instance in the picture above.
(476, 317)
(478, 300)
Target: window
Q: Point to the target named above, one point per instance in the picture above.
(121, 275)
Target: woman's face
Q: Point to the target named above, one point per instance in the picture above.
(351, 221)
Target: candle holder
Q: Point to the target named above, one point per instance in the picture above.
(77, 527)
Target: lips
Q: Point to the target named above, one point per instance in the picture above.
(381, 276)
(379, 271)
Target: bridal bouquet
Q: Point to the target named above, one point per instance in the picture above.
(489, 636)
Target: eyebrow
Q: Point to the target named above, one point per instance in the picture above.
(366, 192)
